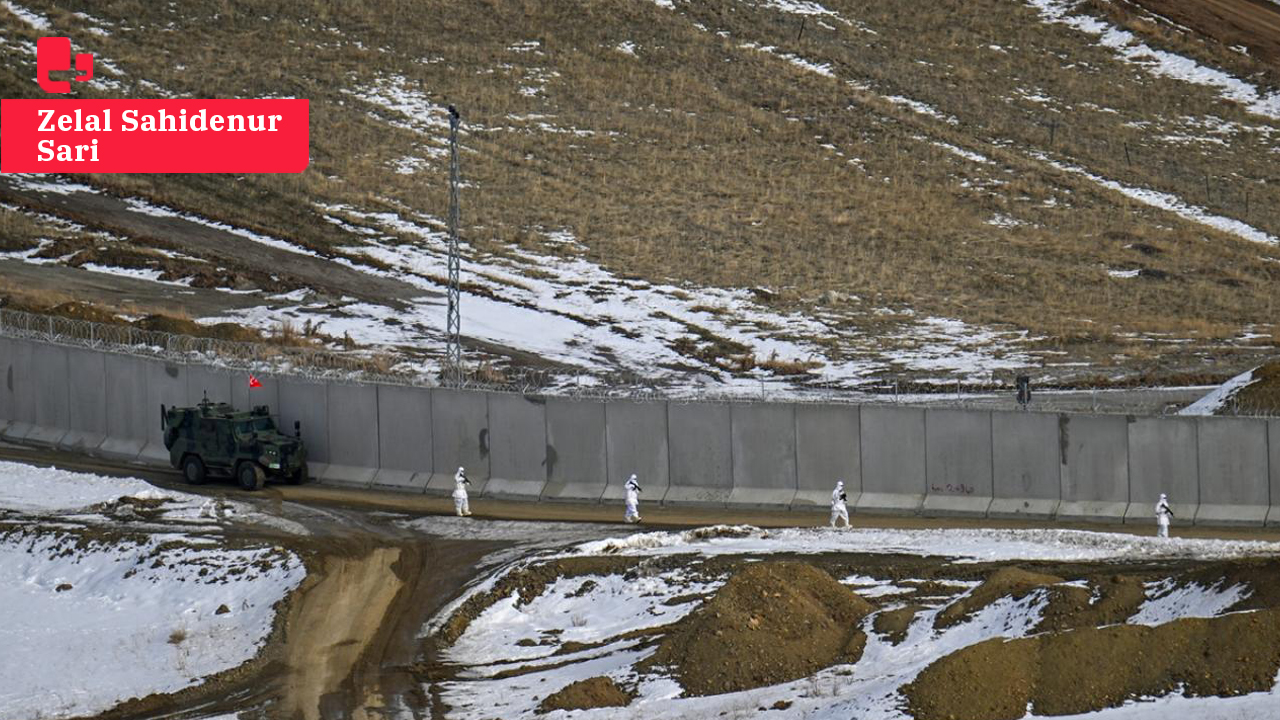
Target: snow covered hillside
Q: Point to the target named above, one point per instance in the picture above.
(706, 196)
(114, 590)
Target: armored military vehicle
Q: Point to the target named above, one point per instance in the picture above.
(216, 439)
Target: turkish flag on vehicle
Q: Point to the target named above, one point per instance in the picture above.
(253, 382)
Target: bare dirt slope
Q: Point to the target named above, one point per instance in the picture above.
(1253, 24)
(332, 626)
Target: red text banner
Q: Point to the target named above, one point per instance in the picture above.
(154, 136)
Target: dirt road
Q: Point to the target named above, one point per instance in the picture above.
(345, 498)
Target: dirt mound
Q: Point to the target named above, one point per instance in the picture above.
(1011, 581)
(182, 326)
(1089, 669)
(596, 692)
(893, 624)
(83, 311)
(1260, 396)
(772, 622)
(1117, 598)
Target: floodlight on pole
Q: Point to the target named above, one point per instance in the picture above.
(453, 329)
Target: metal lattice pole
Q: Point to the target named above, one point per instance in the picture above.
(453, 347)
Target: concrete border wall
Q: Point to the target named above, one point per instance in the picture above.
(405, 443)
(19, 384)
(459, 438)
(1163, 458)
(8, 365)
(87, 401)
(213, 383)
(307, 403)
(1273, 447)
(353, 435)
(700, 442)
(1026, 465)
(1095, 467)
(518, 446)
(828, 450)
(165, 383)
(245, 397)
(958, 462)
(127, 419)
(893, 458)
(51, 394)
(636, 443)
(577, 465)
(764, 454)
(1235, 488)
(699, 438)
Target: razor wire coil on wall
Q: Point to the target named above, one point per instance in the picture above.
(320, 364)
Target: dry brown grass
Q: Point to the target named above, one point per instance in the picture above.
(17, 296)
(707, 165)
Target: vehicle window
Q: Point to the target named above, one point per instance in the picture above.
(243, 428)
(263, 424)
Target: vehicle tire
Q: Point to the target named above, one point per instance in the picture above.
(250, 476)
(193, 470)
(299, 476)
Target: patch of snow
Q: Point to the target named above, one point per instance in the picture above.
(507, 637)
(509, 631)
(867, 689)
(628, 47)
(54, 184)
(412, 164)
(30, 489)
(1159, 62)
(823, 69)
(1214, 401)
(1174, 204)
(799, 7)
(987, 545)
(961, 152)
(126, 620)
(922, 108)
(410, 106)
(1004, 221)
(35, 20)
(1254, 706)
(1167, 601)
(147, 208)
(1123, 273)
(149, 274)
(947, 344)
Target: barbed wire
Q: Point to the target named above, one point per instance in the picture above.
(325, 365)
